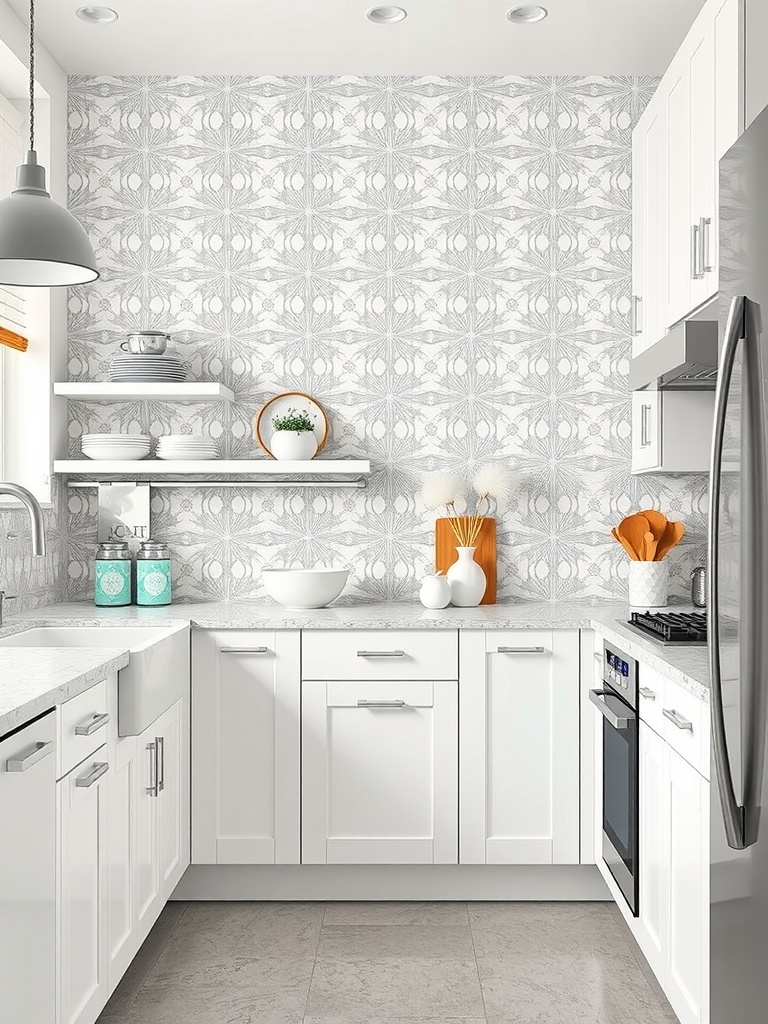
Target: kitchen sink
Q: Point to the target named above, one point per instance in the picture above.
(156, 676)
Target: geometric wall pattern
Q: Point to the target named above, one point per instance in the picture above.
(443, 262)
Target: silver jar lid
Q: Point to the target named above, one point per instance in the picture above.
(112, 550)
(154, 549)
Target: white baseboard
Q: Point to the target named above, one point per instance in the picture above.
(390, 882)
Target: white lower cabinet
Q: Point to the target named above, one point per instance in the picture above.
(122, 797)
(28, 874)
(520, 747)
(672, 929)
(380, 772)
(82, 904)
(246, 727)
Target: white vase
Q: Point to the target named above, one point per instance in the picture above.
(293, 445)
(467, 579)
(648, 584)
(435, 592)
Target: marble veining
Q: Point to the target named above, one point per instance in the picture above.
(33, 680)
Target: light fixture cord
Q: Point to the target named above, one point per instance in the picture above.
(31, 74)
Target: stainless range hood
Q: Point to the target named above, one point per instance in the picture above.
(684, 360)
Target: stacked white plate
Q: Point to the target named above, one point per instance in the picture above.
(190, 447)
(145, 369)
(121, 447)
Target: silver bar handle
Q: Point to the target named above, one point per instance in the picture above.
(635, 327)
(733, 813)
(160, 755)
(381, 654)
(520, 650)
(99, 769)
(696, 273)
(646, 693)
(645, 422)
(244, 650)
(677, 719)
(21, 764)
(381, 704)
(705, 233)
(152, 789)
(89, 728)
(620, 722)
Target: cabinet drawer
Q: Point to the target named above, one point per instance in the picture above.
(380, 654)
(651, 686)
(82, 727)
(686, 726)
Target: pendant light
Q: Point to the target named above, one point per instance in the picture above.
(41, 243)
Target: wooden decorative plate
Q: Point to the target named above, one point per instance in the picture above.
(279, 406)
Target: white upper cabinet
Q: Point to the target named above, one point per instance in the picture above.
(694, 116)
(246, 687)
(520, 747)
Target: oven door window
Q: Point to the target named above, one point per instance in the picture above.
(619, 790)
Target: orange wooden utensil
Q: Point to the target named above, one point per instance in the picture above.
(649, 547)
(658, 522)
(625, 544)
(673, 534)
(634, 529)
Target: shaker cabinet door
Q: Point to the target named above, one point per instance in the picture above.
(380, 772)
(654, 848)
(246, 727)
(520, 748)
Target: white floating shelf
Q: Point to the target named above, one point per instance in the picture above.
(105, 391)
(215, 467)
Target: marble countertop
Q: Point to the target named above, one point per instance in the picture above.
(33, 680)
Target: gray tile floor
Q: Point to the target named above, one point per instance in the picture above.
(389, 963)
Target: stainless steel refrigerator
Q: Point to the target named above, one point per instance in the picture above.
(738, 594)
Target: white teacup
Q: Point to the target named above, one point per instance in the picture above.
(146, 343)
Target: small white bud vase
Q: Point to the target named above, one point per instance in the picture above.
(467, 579)
(648, 584)
(293, 445)
(435, 592)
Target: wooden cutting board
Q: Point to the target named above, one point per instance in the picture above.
(485, 555)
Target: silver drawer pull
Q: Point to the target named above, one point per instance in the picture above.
(86, 781)
(244, 650)
(520, 650)
(20, 764)
(381, 654)
(677, 719)
(648, 694)
(381, 704)
(89, 728)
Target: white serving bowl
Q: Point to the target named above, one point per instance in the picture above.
(118, 452)
(304, 588)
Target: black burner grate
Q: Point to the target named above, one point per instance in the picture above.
(672, 627)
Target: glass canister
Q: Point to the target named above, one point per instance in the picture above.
(153, 574)
(112, 576)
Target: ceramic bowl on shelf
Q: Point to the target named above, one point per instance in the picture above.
(118, 447)
(304, 588)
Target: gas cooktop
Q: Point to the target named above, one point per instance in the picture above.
(671, 627)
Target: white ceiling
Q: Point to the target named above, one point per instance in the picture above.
(315, 37)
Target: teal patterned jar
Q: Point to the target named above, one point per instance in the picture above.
(112, 576)
(153, 574)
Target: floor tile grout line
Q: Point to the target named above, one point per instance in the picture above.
(155, 958)
(314, 962)
(477, 965)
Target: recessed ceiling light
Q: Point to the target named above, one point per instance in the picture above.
(97, 15)
(527, 14)
(386, 15)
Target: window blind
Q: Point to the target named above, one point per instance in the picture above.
(12, 311)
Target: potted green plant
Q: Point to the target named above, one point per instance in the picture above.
(294, 436)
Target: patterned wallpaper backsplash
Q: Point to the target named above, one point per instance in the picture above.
(443, 262)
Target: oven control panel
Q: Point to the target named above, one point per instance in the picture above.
(620, 673)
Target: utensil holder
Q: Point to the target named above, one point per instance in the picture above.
(648, 584)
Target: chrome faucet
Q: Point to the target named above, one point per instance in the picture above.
(36, 519)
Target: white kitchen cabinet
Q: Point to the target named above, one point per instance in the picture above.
(162, 816)
(120, 869)
(246, 728)
(28, 874)
(672, 431)
(520, 747)
(650, 254)
(82, 917)
(380, 772)
(654, 849)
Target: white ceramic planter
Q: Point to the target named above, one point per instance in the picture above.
(467, 579)
(293, 445)
(648, 584)
(435, 592)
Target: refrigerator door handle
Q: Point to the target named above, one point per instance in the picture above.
(733, 813)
